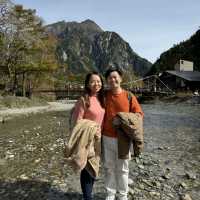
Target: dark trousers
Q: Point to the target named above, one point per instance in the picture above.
(87, 182)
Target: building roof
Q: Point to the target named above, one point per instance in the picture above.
(187, 75)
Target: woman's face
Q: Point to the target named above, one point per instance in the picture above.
(95, 83)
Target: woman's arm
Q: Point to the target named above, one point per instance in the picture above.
(79, 110)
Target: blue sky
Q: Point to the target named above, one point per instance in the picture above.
(149, 26)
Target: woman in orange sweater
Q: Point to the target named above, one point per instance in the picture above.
(116, 170)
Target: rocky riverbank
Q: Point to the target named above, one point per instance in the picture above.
(175, 99)
(32, 165)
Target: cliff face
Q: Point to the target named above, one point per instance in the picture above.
(85, 46)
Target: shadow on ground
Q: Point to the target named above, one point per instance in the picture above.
(36, 190)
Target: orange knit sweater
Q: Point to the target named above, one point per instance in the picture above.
(118, 103)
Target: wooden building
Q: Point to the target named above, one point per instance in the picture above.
(183, 77)
(183, 80)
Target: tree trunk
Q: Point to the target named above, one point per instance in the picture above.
(29, 89)
(24, 84)
(14, 87)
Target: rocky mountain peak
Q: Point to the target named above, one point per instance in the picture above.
(85, 46)
(89, 24)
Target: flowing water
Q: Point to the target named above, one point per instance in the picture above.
(31, 159)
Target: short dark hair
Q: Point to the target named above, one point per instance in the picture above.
(113, 69)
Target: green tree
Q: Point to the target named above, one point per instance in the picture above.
(27, 48)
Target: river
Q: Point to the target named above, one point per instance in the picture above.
(32, 167)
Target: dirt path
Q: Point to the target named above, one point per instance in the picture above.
(8, 113)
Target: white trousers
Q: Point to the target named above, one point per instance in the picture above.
(116, 170)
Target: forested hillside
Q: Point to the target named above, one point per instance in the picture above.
(186, 50)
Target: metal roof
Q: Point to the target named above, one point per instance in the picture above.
(187, 75)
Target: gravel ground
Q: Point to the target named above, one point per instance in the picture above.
(32, 165)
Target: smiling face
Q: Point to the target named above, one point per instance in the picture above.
(114, 80)
(94, 84)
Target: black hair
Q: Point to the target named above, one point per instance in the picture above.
(113, 69)
(87, 91)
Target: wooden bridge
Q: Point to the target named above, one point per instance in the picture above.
(149, 86)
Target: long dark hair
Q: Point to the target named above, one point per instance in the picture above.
(87, 91)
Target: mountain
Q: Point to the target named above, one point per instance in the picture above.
(186, 50)
(84, 46)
